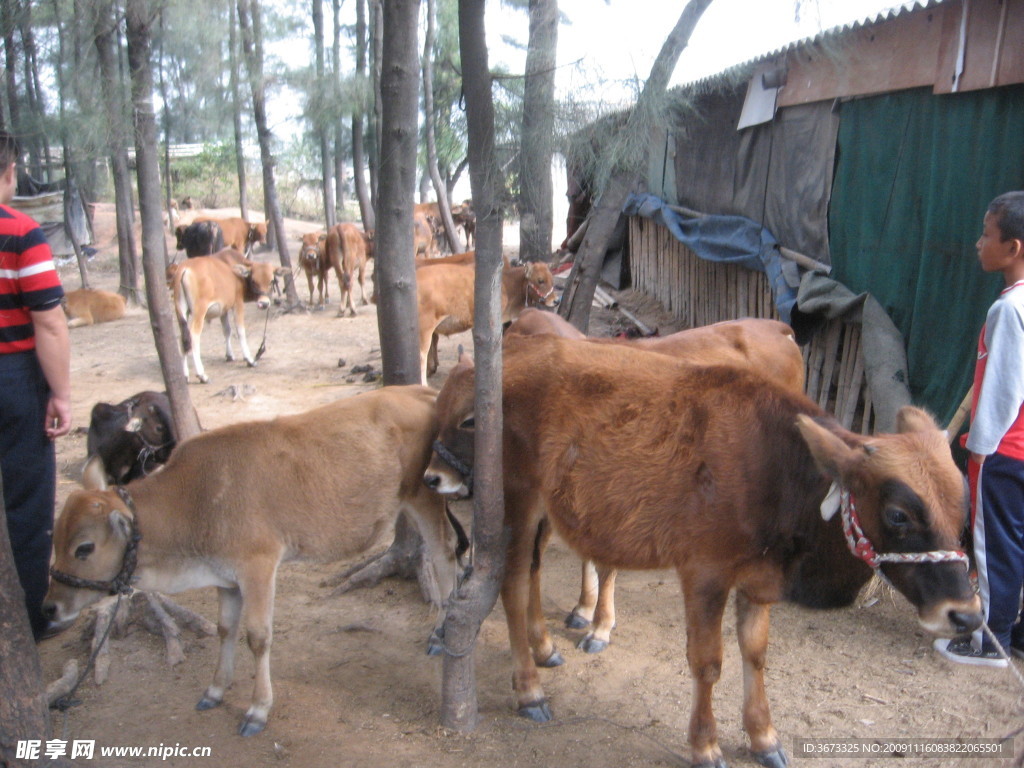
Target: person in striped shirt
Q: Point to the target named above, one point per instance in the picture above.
(995, 468)
(35, 387)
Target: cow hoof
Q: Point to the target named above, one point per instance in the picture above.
(554, 660)
(538, 713)
(206, 703)
(591, 644)
(575, 621)
(204, 379)
(718, 762)
(251, 363)
(773, 758)
(250, 726)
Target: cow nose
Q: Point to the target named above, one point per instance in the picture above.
(964, 622)
(262, 302)
(432, 481)
(49, 611)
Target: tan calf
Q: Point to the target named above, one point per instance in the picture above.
(347, 254)
(640, 461)
(313, 258)
(207, 286)
(445, 299)
(88, 307)
(235, 502)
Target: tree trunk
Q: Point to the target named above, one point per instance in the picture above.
(166, 111)
(587, 269)
(252, 49)
(326, 169)
(476, 596)
(127, 253)
(366, 209)
(154, 258)
(23, 710)
(8, 22)
(535, 206)
(376, 117)
(443, 205)
(236, 112)
(339, 137)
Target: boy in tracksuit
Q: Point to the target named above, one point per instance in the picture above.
(996, 444)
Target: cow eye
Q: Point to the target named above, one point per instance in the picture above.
(84, 550)
(897, 518)
(469, 423)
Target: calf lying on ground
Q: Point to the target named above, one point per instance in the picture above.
(233, 503)
(128, 440)
(88, 307)
(640, 461)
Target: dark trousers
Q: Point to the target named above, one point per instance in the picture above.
(999, 545)
(28, 466)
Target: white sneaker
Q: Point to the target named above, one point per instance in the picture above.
(963, 652)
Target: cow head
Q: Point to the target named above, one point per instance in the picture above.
(90, 541)
(906, 495)
(257, 233)
(179, 231)
(151, 419)
(540, 285)
(258, 278)
(451, 467)
(313, 250)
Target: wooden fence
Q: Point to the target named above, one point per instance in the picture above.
(699, 292)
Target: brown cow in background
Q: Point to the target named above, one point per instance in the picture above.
(87, 306)
(347, 247)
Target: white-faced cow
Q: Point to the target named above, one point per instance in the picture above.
(235, 502)
(445, 298)
(639, 461)
(767, 347)
(206, 286)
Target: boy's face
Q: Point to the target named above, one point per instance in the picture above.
(994, 253)
(8, 183)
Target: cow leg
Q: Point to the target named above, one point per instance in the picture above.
(432, 360)
(257, 583)
(196, 332)
(242, 340)
(230, 601)
(705, 603)
(426, 332)
(544, 652)
(600, 634)
(580, 616)
(362, 285)
(515, 598)
(752, 620)
(225, 325)
(309, 280)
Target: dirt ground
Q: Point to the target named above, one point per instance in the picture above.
(352, 684)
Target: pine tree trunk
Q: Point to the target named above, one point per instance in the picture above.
(236, 112)
(366, 209)
(326, 169)
(476, 596)
(154, 257)
(535, 223)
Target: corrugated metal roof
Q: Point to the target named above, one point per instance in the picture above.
(885, 14)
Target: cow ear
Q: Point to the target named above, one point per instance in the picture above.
(94, 475)
(529, 270)
(281, 271)
(242, 270)
(120, 524)
(911, 419)
(833, 456)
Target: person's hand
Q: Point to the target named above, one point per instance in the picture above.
(58, 417)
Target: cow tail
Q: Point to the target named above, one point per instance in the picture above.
(184, 308)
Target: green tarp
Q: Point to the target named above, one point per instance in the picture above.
(914, 174)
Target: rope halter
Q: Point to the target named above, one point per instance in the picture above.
(121, 584)
(455, 463)
(862, 548)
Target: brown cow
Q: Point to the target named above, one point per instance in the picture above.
(767, 347)
(423, 236)
(239, 233)
(206, 285)
(346, 252)
(313, 258)
(232, 504)
(640, 461)
(88, 307)
(445, 299)
(463, 215)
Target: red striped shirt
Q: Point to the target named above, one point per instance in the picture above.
(28, 279)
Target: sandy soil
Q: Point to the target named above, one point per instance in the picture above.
(352, 684)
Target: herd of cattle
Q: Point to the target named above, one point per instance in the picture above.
(697, 451)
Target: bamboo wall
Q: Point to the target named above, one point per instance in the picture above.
(699, 292)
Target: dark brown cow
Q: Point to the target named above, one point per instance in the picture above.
(445, 299)
(767, 347)
(346, 251)
(207, 285)
(463, 215)
(235, 502)
(639, 461)
(200, 238)
(130, 439)
(314, 261)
